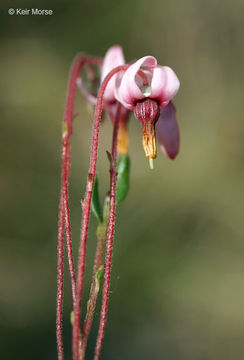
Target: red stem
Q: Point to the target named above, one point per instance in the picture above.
(59, 309)
(86, 209)
(79, 61)
(67, 222)
(109, 249)
(93, 292)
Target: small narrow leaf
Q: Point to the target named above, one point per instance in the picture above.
(72, 318)
(123, 178)
(95, 203)
(99, 275)
(109, 156)
(106, 206)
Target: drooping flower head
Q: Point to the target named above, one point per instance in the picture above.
(145, 79)
(147, 88)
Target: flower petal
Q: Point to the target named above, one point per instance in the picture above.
(167, 131)
(127, 90)
(113, 58)
(164, 84)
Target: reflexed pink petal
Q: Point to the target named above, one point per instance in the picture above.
(127, 89)
(167, 131)
(113, 58)
(165, 84)
(118, 79)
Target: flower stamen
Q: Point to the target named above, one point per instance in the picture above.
(147, 112)
(123, 138)
(149, 139)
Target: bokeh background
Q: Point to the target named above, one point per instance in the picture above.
(177, 287)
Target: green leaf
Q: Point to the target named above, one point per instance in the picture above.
(123, 178)
(72, 318)
(99, 275)
(95, 203)
(106, 207)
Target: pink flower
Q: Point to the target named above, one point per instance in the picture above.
(146, 79)
(147, 88)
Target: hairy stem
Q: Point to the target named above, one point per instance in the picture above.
(66, 147)
(78, 63)
(91, 305)
(60, 281)
(109, 248)
(86, 209)
(64, 220)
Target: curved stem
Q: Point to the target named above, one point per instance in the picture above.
(86, 209)
(79, 61)
(109, 251)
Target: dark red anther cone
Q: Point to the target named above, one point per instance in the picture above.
(147, 112)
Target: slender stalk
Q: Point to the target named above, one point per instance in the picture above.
(86, 208)
(63, 220)
(60, 281)
(68, 226)
(111, 224)
(101, 238)
(79, 61)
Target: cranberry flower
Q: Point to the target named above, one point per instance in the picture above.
(148, 88)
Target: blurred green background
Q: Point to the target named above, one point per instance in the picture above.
(177, 287)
